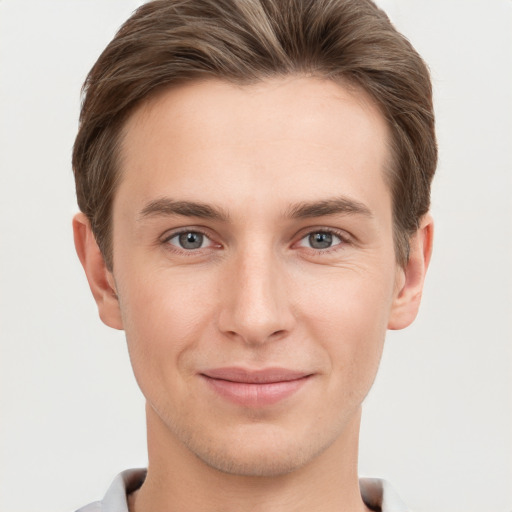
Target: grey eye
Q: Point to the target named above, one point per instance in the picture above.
(188, 240)
(320, 240)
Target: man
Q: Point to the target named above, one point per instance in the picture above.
(254, 178)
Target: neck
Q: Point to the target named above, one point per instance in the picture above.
(178, 481)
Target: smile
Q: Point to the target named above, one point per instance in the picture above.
(257, 388)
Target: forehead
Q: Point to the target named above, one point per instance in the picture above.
(287, 134)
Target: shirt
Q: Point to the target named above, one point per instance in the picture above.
(376, 493)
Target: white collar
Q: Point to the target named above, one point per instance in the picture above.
(376, 493)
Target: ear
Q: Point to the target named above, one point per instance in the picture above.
(101, 280)
(407, 301)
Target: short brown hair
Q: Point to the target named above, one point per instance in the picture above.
(166, 42)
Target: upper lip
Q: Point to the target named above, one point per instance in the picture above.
(255, 376)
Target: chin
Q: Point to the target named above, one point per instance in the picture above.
(264, 463)
(257, 453)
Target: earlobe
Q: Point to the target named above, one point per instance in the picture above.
(101, 280)
(407, 301)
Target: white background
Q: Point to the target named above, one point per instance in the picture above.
(438, 423)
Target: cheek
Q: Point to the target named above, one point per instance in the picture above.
(348, 315)
(164, 314)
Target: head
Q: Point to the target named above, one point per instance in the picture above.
(254, 180)
(167, 43)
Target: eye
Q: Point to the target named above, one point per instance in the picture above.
(320, 240)
(189, 240)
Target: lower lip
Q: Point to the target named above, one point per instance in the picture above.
(255, 395)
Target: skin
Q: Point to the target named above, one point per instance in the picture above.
(259, 292)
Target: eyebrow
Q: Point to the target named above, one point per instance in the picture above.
(166, 206)
(333, 206)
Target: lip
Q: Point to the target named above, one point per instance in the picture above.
(255, 388)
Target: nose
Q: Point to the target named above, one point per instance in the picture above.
(255, 303)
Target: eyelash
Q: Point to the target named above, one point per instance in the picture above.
(188, 252)
(342, 236)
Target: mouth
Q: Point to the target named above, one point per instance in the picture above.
(255, 388)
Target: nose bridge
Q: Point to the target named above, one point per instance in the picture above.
(256, 308)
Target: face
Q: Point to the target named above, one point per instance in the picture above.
(254, 266)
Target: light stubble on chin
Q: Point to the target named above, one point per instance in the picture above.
(244, 456)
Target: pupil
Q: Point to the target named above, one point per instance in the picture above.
(320, 240)
(191, 240)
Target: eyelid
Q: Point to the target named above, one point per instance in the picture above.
(179, 231)
(345, 238)
(172, 233)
